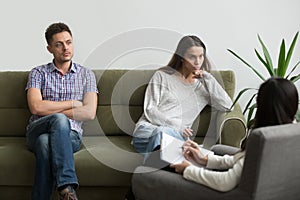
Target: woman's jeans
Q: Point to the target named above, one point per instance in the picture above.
(146, 139)
(53, 142)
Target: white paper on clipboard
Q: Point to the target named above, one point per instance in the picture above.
(171, 149)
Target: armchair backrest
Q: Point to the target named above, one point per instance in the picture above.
(272, 163)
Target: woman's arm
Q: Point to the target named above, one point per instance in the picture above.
(155, 89)
(219, 180)
(218, 97)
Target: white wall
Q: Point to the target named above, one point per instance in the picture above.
(134, 33)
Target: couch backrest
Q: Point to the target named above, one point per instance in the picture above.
(14, 113)
(120, 101)
(271, 168)
(121, 97)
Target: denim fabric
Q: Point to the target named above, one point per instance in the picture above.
(145, 145)
(53, 143)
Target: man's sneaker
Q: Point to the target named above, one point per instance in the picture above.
(68, 194)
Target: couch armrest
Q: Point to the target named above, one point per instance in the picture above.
(231, 127)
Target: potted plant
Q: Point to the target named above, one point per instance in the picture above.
(281, 70)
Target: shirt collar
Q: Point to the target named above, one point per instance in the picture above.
(73, 68)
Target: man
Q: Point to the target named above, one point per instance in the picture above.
(61, 95)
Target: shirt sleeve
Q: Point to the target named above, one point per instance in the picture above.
(35, 78)
(152, 99)
(91, 85)
(218, 97)
(219, 180)
(222, 162)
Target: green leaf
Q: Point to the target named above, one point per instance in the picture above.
(294, 68)
(250, 119)
(290, 51)
(266, 53)
(270, 69)
(253, 69)
(281, 67)
(240, 94)
(297, 116)
(249, 103)
(295, 78)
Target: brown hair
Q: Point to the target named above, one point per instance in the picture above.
(184, 44)
(54, 29)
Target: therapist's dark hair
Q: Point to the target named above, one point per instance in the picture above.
(277, 102)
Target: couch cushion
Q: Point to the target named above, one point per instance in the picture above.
(106, 161)
(102, 161)
(17, 162)
(14, 113)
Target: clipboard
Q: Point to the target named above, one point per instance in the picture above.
(171, 150)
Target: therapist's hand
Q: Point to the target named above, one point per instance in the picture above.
(192, 152)
(179, 168)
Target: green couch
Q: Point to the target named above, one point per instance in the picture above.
(107, 159)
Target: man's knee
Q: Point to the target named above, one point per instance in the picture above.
(42, 143)
(60, 119)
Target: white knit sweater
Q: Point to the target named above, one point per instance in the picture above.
(172, 102)
(219, 180)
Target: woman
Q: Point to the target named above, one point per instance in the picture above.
(277, 98)
(176, 94)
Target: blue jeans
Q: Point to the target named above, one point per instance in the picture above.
(53, 142)
(146, 139)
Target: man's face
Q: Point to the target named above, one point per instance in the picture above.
(61, 47)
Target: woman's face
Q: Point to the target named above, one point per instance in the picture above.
(193, 58)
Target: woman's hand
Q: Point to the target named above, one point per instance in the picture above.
(191, 151)
(179, 168)
(198, 74)
(187, 132)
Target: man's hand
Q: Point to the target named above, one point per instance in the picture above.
(41, 107)
(76, 104)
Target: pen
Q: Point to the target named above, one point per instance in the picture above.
(188, 130)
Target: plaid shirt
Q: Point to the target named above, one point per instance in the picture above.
(57, 87)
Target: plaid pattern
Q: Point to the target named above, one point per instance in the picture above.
(57, 87)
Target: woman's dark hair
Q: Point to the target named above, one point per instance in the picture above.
(277, 102)
(184, 44)
(54, 29)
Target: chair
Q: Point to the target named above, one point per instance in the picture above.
(270, 172)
